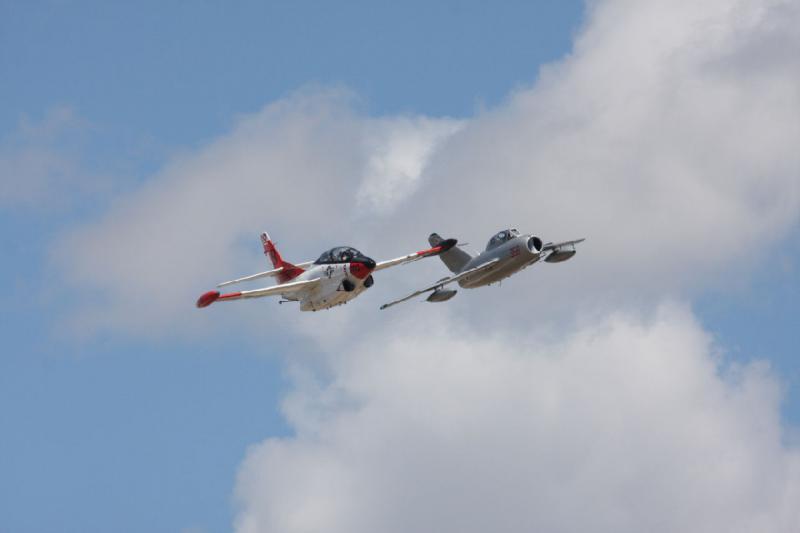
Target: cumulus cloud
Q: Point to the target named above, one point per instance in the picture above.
(667, 143)
(292, 169)
(659, 138)
(668, 137)
(626, 425)
(662, 139)
(399, 150)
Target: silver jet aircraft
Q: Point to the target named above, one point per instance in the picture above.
(507, 253)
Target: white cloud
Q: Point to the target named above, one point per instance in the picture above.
(667, 144)
(293, 169)
(658, 138)
(398, 151)
(664, 141)
(668, 137)
(623, 426)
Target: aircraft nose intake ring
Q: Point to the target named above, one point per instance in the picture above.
(361, 267)
(366, 261)
(535, 245)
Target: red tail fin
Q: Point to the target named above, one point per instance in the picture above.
(290, 271)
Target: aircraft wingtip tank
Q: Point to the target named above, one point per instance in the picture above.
(207, 299)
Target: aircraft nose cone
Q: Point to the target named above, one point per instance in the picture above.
(360, 267)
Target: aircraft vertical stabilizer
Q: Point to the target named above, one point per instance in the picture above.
(455, 258)
(288, 271)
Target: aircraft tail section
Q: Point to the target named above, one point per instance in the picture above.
(288, 271)
(455, 258)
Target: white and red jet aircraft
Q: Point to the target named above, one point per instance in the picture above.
(338, 276)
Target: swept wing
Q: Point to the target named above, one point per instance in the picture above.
(416, 256)
(285, 288)
(441, 283)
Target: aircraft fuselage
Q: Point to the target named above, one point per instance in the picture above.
(513, 255)
(339, 283)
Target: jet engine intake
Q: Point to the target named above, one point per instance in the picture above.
(535, 245)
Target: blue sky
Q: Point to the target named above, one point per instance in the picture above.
(84, 423)
(120, 430)
(178, 73)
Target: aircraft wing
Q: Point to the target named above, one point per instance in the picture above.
(436, 250)
(285, 288)
(265, 274)
(441, 283)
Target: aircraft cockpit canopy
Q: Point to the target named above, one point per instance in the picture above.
(501, 237)
(340, 254)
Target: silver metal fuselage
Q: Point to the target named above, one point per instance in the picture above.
(513, 256)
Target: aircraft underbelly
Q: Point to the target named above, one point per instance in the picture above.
(330, 299)
(507, 268)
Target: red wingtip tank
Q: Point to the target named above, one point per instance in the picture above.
(207, 299)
